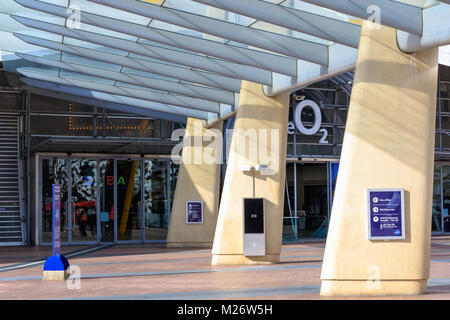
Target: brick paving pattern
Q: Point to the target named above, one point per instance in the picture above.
(150, 271)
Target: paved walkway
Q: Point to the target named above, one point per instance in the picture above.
(150, 271)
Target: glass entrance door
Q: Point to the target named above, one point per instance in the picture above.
(445, 198)
(54, 171)
(84, 200)
(436, 213)
(156, 200)
(106, 200)
(290, 220)
(128, 200)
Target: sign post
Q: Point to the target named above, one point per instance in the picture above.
(56, 266)
(386, 214)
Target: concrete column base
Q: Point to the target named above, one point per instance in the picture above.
(56, 275)
(373, 288)
(203, 245)
(232, 259)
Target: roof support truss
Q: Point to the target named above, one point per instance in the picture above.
(319, 26)
(291, 47)
(436, 31)
(186, 74)
(159, 97)
(239, 55)
(222, 67)
(187, 90)
(107, 105)
(93, 94)
(390, 13)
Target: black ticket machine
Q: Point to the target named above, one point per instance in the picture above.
(254, 228)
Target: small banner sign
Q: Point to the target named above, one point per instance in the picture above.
(56, 219)
(194, 212)
(386, 214)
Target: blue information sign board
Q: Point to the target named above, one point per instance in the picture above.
(386, 214)
(56, 219)
(194, 212)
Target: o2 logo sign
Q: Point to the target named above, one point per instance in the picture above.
(316, 125)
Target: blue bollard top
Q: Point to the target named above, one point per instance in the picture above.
(56, 263)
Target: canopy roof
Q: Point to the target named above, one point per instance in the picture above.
(188, 57)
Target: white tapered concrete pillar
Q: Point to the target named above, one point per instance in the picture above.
(259, 137)
(199, 181)
(388, 143)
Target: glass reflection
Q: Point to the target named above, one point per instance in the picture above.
(84, 200)
(128, 182)
(155, 200)
(446, 196)
(106, 200)
(54, 171)
(436, 213)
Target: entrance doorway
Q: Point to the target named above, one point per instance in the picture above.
(306, 203)
(106, 199)
(440, 220)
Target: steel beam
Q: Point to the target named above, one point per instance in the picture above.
(199, 77)
(391, 13)
(319, 26)
(436, 31)
(289, 46)
(239, 55)
(106, 105)
(98, 95)
(342, 59)
(160, 97)
(222, 67)
(203, 96)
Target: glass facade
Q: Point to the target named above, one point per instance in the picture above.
(314, 193)
(128, 199)
(106, 199)
(157, 199)
(84, 199)
(441, 199)
(111, 200)
(55, 171)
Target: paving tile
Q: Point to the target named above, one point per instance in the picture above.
(150, 271)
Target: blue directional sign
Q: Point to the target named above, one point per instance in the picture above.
(57, 262)
(386, 214)
(194, 212)
(56, 219)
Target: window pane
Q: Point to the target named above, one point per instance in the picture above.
(54, 171)
(436, 213)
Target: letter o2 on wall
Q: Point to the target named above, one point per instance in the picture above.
(317, 117)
